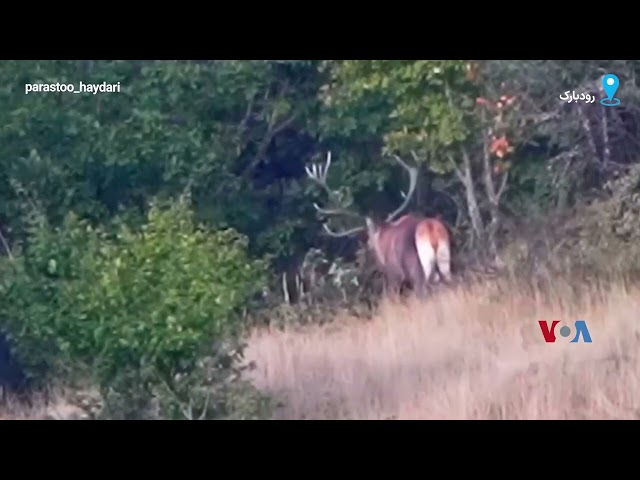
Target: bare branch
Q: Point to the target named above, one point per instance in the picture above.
(247, 116)
(413, 180)
(206, 406)
(285, 290)
(5, 244)
(588, 131)
(606, 149)
(537, 119)
(486, 166)
(470, 193)
(447, 92)
(273, 127)
(455, 168)
(503, 185)
(188, 411)
(272, 131)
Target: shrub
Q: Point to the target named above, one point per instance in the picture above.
(319, 291)
(149, 315)
(600, 239)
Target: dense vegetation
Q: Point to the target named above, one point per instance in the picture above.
(142, 231)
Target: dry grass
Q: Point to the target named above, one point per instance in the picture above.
(475, 353)
(57, 407)
(465, 354)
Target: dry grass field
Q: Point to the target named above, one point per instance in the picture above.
(465, 354)
(469, 353)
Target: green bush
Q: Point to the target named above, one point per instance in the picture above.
(597, 240)
(148, 315)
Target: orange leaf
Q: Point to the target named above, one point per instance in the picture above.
(500, 146)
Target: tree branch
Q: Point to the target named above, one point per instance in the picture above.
(472, 201)
(486, 167)
(5, 244)
(587, 128)
(455, 168)
(606, 149)
(273, 129)
(503, 185)
(245, 120)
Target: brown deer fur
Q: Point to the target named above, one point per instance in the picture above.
(398, 246)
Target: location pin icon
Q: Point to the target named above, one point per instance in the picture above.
(610, 84)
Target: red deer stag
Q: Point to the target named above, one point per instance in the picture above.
(411, 249)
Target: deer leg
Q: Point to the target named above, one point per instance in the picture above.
(393, 283)
(421, 286)
(415, 273)
(443, 259)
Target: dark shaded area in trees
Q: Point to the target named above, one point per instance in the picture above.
(12, 376)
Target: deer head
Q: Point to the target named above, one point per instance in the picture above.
(318, 174)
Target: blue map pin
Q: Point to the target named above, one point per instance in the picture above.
(610, 83)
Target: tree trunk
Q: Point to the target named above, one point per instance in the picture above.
(493, 197)
(473, 209)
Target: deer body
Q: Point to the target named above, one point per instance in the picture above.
(411, 249)
(434, 248)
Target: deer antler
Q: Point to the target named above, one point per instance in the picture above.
(318, 174)
(413, 180)
(344, 233)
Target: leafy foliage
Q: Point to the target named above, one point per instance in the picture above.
(609, 229)
(408, 103)
(137, 309)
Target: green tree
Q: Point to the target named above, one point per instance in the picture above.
(227, 130)
(138, 312)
